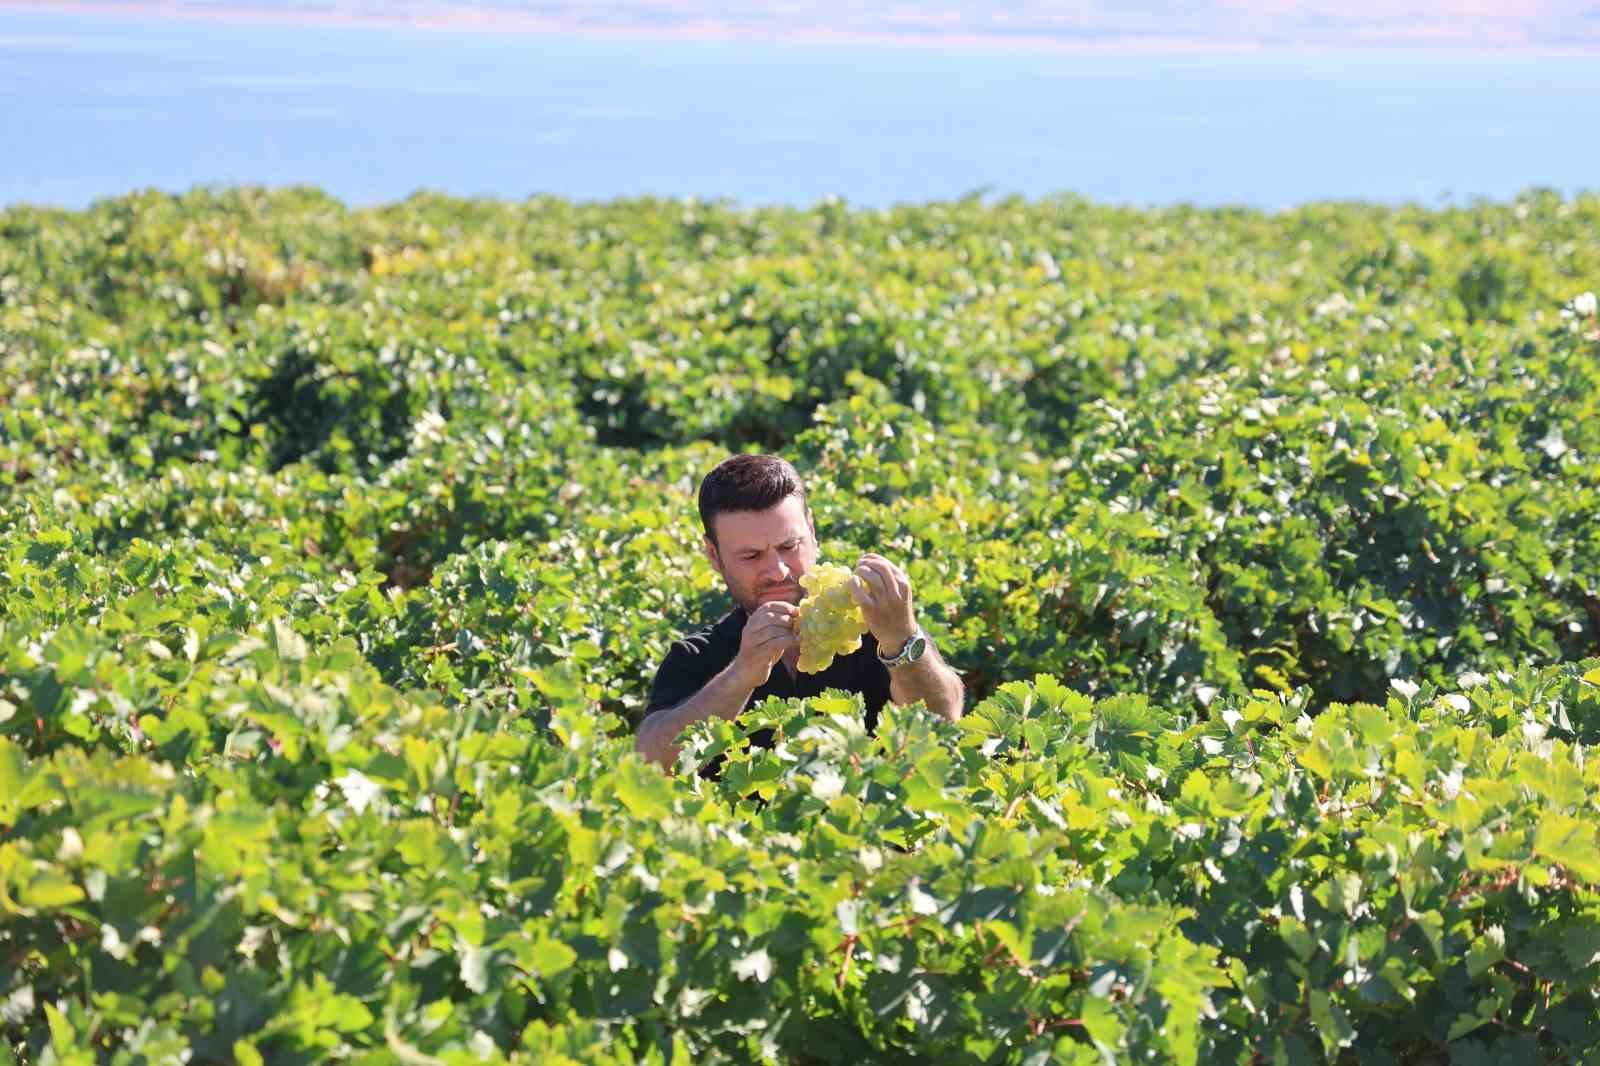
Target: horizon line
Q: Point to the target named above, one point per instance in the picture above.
(710, 31)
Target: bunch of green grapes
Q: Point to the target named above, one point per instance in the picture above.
(830, 621)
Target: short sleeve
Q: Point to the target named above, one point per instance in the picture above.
(693, 661)
(682, 673)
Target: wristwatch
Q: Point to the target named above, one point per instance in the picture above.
(915, 645)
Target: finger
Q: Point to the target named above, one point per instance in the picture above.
(776, 644)
(879, 562)
(870, 579)
(765, 634)
(861, 593)
(896, 583)
(776, 625)
(884, 585)
(902, 583)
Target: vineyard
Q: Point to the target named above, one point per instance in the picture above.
(338, 549)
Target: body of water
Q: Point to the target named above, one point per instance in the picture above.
(95, 105)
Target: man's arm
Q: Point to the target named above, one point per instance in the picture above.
(767, 635)
(724, 696)
(930, 680)
(883, 591)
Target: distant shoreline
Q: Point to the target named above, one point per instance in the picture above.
(691, 28)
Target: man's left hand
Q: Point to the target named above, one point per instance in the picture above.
(883, 592)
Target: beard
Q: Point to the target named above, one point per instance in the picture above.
(750, 599)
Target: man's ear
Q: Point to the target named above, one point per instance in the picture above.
(712, 555)
(812, 522)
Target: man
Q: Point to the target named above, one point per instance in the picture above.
(761, 537)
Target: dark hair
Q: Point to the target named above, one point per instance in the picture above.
(747, 483)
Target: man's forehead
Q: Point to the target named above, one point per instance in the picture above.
(743, 530)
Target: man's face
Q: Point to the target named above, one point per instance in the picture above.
(763, 554)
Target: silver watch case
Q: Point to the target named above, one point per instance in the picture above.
(915, 645)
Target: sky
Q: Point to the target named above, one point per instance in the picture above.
(1525, 26)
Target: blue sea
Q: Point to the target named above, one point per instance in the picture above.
(96, 105)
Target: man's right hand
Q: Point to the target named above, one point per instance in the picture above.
(769, 633)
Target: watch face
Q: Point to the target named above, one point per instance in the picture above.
(909, 653)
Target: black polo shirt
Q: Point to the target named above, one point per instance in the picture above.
(699, 657)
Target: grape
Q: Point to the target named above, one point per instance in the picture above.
(830, 621)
